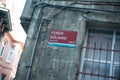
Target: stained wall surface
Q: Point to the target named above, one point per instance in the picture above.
(60, 63)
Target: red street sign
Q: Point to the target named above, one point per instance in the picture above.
(62, 36)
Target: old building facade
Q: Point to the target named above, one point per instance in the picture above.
(10, 51)
(52, 52)
(11, 46)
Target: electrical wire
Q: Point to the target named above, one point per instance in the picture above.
(88, 2)
(70, 7)
(81, 9)
(97, 3)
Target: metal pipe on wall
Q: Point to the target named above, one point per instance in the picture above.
(36, 40)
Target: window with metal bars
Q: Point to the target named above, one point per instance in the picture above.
(100, 55)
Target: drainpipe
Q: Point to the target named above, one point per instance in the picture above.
(36, 40)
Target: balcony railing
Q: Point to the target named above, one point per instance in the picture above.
(5, 20)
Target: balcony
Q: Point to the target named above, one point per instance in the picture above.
(5, 21)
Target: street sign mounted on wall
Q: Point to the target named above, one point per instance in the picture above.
(62, 38)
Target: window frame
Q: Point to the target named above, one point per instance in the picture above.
(10, 53)
(111, 62)
(3, 47)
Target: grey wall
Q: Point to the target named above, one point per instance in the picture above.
(59, 63)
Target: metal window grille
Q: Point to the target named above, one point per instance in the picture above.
(100, 56)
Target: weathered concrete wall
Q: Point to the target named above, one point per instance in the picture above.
(24, 63)
(58, 63)
(94, 4)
